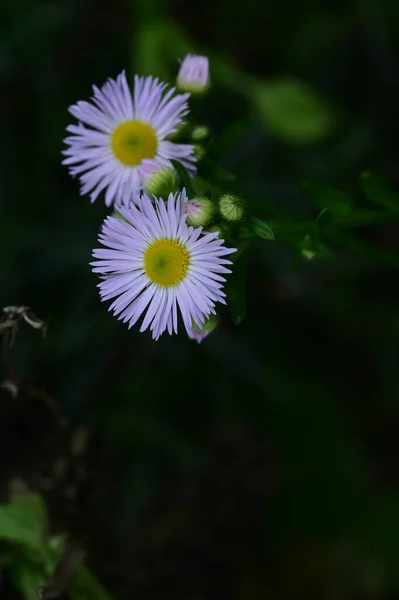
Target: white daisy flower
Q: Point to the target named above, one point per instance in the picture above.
(121, 137)
(153, 263)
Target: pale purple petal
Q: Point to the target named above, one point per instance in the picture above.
(194, 73)
(120, 263)
(89, 154)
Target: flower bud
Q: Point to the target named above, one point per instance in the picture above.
(193, 75)
(160, 182)
(200, 133)
(199, 152)
(199, 211)
(231, 207)
(308, 254)
(200, 333)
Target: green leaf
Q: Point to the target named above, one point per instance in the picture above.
(236, 290)
(85, 586)
(24, 521)
(378, 191)
(291, 110)
(260, 228)
(27, 578)
(287, 107)
(327, 197)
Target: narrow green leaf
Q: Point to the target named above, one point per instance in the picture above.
(378, 191)
(291, 110)
(339, 203)
(260, 228)
(26, 577)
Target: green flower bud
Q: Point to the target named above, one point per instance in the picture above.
(308, 254)
(199, 211)
(161, 182)
(200, 133)
(231, 207)
(199, 152)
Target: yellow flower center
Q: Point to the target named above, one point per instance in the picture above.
(133, 141)
(166, 262)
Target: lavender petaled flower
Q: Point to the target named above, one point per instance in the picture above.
(153, 264)
(120, 131)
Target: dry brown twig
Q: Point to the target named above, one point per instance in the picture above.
(9, 322)
(12, 315)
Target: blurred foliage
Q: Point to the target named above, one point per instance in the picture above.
(262, 463)
(31, 557)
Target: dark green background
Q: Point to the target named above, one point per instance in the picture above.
(264, 462)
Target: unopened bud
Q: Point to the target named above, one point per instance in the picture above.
(200, 133)
(193, 75)
(161, 182)
(308, 254)
(200, 333)
(199, 152)
(199, 211)
(231, 207)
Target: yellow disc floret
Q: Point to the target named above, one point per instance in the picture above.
(133, 141)
(166, 262)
